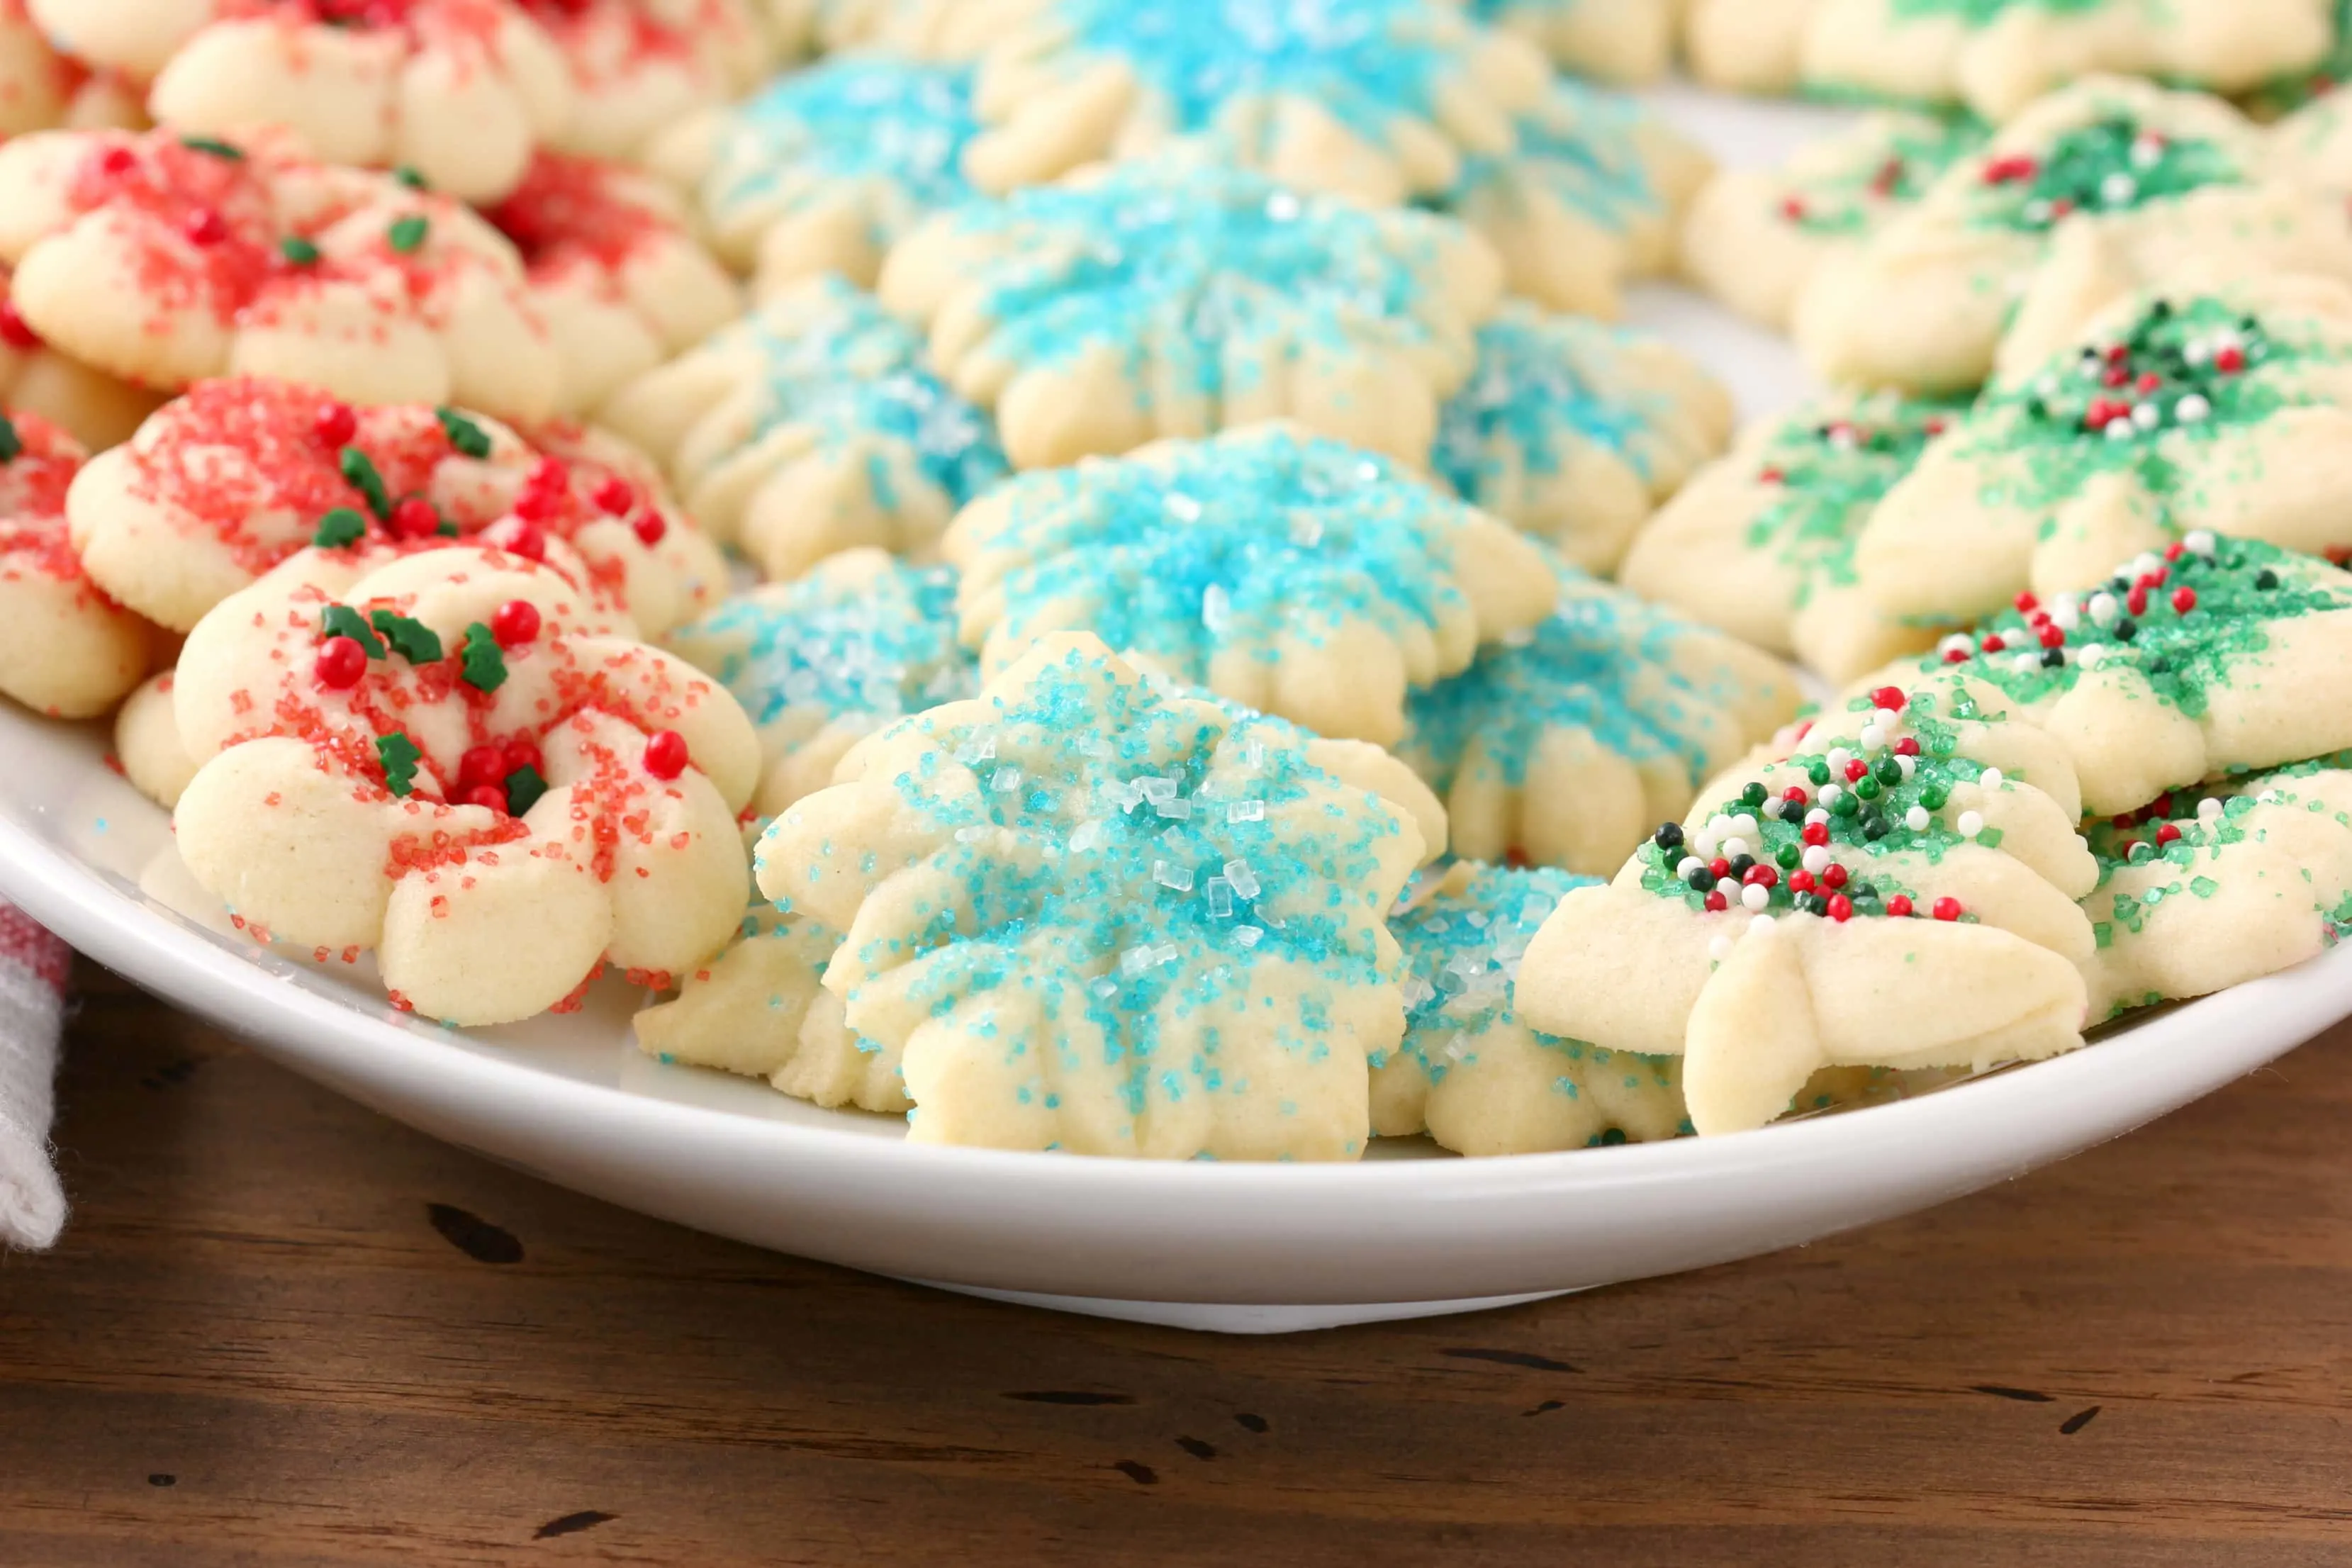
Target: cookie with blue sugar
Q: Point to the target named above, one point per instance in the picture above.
(1628, 41)
(1564, 745)
(1302, 576)
(824, 169)
(814, 426)
(1089, 914)
(1576, 432)
(1898, 903)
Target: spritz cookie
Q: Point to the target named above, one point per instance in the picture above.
(638, 66)
(2227, 409)
(619, 279)
(226, 482)
(451, 759)
(97, 409)
(147, 741)
(1998, 56)
(824, 169)
(1576, 432)
(1616, 40)
(1755, 237)
(1587, 198)
(814, 426)
(1470, 1072)
(1899, 904)
(2092, 193)
(165, 260)
(1761, 543)
(1089, 915)
(1155, 299)
(1377, 100)
(1296, 574)
(66, 648)
(923, 29)
(821, 663)
(1563, 745)
(41, 88)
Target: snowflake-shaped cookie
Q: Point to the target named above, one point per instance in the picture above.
(1377, 100)
(1091, 915)
(165, 259)
(1469, 1072)
(226, 482)
(450, 758)
(1563, 745)
(1575, 432)
(2187, 409)
(1589, 198)
(1616, 41)
(812, 426)
(1898, 902)
(2092, 193)
(826, 169)
(65, 647)
(1761, 543)
(1164, 299)
(620, 281)
(1296, 574)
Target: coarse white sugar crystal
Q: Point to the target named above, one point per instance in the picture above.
(1004, 780)
(978, 750)
(1178, 809)
(1216, 608)
(1169, 875)
(1247, 935)
(1182, 507)
(1135, 960)
(969, 835)
(1090, 833)
(1306, 530)
(1104, 987)
(1244, 880)
(1246, 811)
(1221, 898)
(1155, 789)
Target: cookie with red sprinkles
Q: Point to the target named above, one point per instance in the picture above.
(166, 258)
(97, 409)
(65, 647)
(638, 66)
(455, 758)
(1894, 903)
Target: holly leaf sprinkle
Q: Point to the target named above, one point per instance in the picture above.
(469, 438)
(342, 621)
(483, 662)
(341, 529)
(12, 445)
(215, 147)
(297, 251)
(410, 175)
(524, 786)
(359, 472)
(407, 234)
(411, 638)
(399, 757)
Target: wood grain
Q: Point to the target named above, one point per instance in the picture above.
(281, 1329)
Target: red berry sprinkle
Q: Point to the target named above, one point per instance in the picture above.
(489, 796)
(1716, 902)
(2136, 601)
(1816, 833)
(2167, 833)
(615, 495)
(335, 424)
(523, 754)
(666, 757)
(204, 227)
(342, 664)
(415, 518)
(117, 161)
(14, 330)
(2175, 551)
(1992, 643)
(1794, 793)
(517, 537)
(1840, 907)
(1889, 698)
(2229, 360)
(1947, 908)
(481, 765)
(1908, 746)
(1719, 866)
(2053, 636)
(1956, 655)
(1800, 881)
(649, 527)
(1793, 208)
(1771, 476)
(1761, 876)
(2184, 598)
(2027, 603)
(515, 623)
(1833, 875)
(1854, 768)
(1899, 905)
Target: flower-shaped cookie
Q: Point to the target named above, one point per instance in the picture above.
(1575, 432)
(165, 260)
(1761, 543)
(2223, 409)
(823, 662)
(1616, 40)
(1998, 56)
(1161, 299)
(1469, 1071)
(2219, 655)
(812, 426)
(1755, 237)
(1296, 574)
(1900, 903)
(450, 758)
(1089, 915)
(1589, 195)
(65, 647)
(620, 282)
(1377, 100)
(97, 409)
(638, 66)
(826, 168)
(2092, 193)
(223, 483)
(1564, 745)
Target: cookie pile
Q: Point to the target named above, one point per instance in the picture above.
(1045, 567)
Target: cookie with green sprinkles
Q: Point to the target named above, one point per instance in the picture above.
(1625, 41)
(2222, 409)
(1576, 432)
(814, 426)
(1761, 543)
(1152, 300)
(1561, 746)
(1302, 576)
(2222, 883)
(1896, 903)
(1089, 914)
(2094, 191)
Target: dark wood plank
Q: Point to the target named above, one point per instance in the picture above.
(282, 1330)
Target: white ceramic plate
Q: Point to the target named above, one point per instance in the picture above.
(1225, 1246)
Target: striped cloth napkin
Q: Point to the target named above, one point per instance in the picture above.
(33, 967)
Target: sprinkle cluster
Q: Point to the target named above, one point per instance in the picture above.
(2112, 164)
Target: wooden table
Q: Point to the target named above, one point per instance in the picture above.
(281, 1329)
